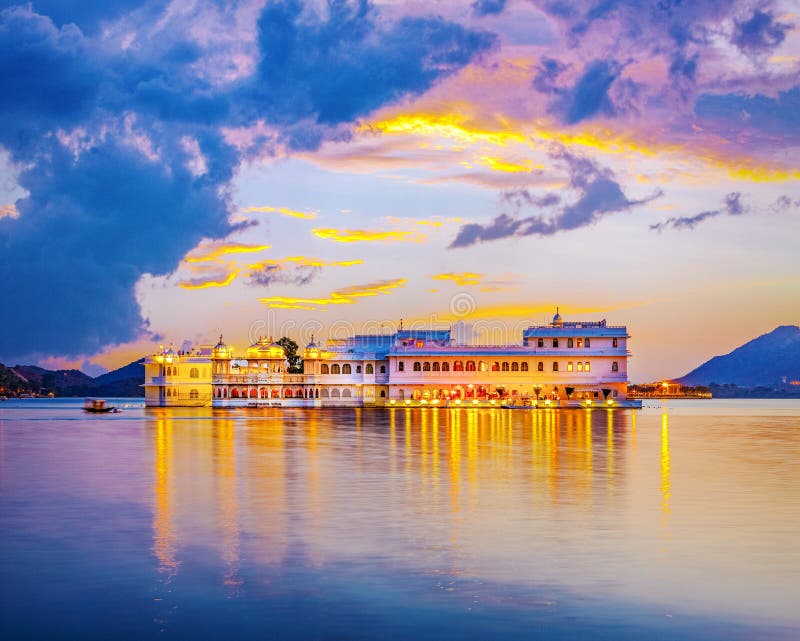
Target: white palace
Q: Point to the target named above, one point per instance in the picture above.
(562, 364)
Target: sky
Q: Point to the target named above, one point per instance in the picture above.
(176, 170)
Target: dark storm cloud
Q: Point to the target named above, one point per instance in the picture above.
(121, 151)
(598, 195)
(761, 32)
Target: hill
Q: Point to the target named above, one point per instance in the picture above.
(764, 361)
(31, 379)
(40, 377)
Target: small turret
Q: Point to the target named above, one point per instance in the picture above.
(557, 320)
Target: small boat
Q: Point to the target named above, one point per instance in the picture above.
(98, 406)
(509, 406)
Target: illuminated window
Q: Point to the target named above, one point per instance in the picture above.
(580, 367)
(325, 369)
(435, 366)
(523, 366)
(514, 366)
(335, 369)
(481, 366)
(555, 342)
(613, 342)
(401, 366)
(370, 369)
(587, 367)
(540, 342)
(346, 369)
(570, 343)
(540, 367)
(194, 373)
(555, 366)
(420, 343)
(615, 366)
(580, 343)
(569, 367)
(426, 366)
(445, 366)
(458, 366)
(495, 366)
(417, 366)
(193, 395)
(470, 366)
(505, 366)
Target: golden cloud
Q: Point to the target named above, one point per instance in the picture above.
(461, 278)
(208, 251)
(344, 296)
(307, 261)
(367, 235)
(8, 211)
(283, 211)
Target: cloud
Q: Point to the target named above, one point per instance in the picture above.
(212, 250)
(461, 279)
(732, 206)
(344, 296)
(8, 211)
(283, 211)
(368, 235)
(589, 96)
(598, 194)
(761, 32)
(294, 270)
(488, 7)
(212, 276)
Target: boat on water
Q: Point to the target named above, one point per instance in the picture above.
(98, 406)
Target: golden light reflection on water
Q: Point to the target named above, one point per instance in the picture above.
(562, 491)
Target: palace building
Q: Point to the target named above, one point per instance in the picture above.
(561, 364)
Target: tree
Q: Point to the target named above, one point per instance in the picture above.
(295, 362)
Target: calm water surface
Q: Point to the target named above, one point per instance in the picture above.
(674, 522)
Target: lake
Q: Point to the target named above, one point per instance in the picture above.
(679, 521)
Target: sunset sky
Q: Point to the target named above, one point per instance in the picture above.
(171, 171)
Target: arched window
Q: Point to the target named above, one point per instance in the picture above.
(458, 366)
(580, 366)
(481, 366)
(426, 366)
(287, 393)
(505, 366)
(515, 366)
(540, 367)
(540, 342)
(470, 366)
(264, 393)
(555, 342)
(495, 366)
(334, 393)
(570, 343)
(194, 373)
(346, 369)
(370, 369)
(335, 369)
(523, 366)
(325, 369)
(325, 393)
(613, 342)
(346, 393)
(417, 366)
(401, 366)
(580, 343)
(193, 395)
(555, 366)
(569, 367)
(383, 369)
(253, 393)
(383, 393)
(615, 366)
(445, 366)
(587, 367)
(435, 366)
(588, 342)
(169, 371)
(358, 369)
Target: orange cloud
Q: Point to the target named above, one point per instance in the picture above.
(221, 280)
(283, 211)
(8, 211)
(344, 296)
(366, 235)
